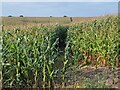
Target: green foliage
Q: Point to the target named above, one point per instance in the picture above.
(61, 33)
(97, 82)
(30, 57)
(96, 41)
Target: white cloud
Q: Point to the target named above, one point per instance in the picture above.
(60, 0)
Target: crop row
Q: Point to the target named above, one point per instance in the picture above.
(38, 57)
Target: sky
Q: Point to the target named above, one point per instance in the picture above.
(59, 9)
(60, 0)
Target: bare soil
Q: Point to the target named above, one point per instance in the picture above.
(111, 77)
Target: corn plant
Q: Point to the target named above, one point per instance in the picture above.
(30, 57)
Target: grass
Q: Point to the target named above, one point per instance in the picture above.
(97, 82)
(29, 22)
(22, 20)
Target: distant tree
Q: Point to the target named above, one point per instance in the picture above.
(50, 16)
(10, 16)
(21, 15)
(64, 16)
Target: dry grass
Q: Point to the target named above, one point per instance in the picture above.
(28, 22)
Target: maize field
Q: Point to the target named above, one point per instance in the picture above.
(42, 56)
